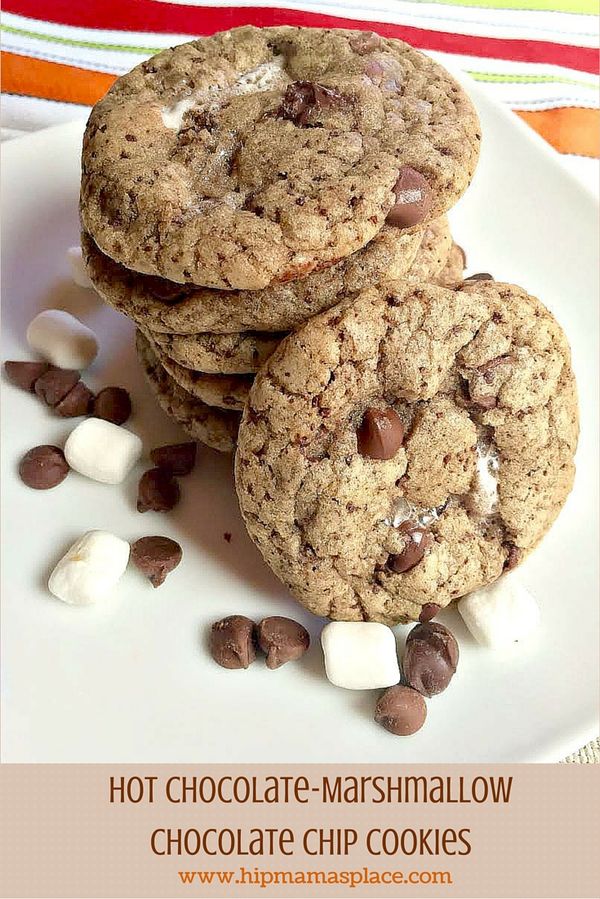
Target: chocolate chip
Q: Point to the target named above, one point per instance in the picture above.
(165, 290)
(417, 542)
(513, 556)
(414, 199)
(158, 491)
(401, 710)
(233, 642)
(429, 611)
(480, 276)
(156, 557)
(178, 458)
(380, 434)
(77, 402)
(53, 385)
(113, 404)
(303, 97)
(430, 658)
(282, 639)
(488, 368)
(43, 467)
(25, 374)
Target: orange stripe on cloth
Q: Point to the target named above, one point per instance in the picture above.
(52, 81)
(570, 129)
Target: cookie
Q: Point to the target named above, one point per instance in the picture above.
(256, 156)
(451, 274)
(162, 306)
(223, 391)
(433, 252)
(406, 448)
(216, 428)
(239, 353)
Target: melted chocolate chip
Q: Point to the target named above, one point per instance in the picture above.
(282, 639)
(480, 276)
(304, 97)
(43, 467)
(77, 402)
(233, 642)
(25, 374)
(513, 556)
(53, 385)
(430, 658)
(414, 199)
(417, 542)
(158, 491)
(429, 611)
(178, 458)
(156, 557)
(380, 434)
(113, 404)
(401, 710)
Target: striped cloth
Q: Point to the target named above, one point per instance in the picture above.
(538, 56)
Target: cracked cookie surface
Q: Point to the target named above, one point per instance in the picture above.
(259, 155)
(164, 307)
(408, 447)
(216, 428)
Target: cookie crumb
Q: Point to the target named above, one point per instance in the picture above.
(227, 537)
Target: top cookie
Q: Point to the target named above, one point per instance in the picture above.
(259, 155)
(404, 449)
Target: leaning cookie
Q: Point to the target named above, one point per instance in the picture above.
(403, 450)
(161, 306)
(256, 156)
(222, 391)
(216, 428)
(239, 353)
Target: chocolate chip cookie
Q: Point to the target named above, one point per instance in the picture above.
(162, 306)
(214, 427)
(239, 353)
(408, 447)
(256, 156)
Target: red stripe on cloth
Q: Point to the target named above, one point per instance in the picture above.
(150, 16)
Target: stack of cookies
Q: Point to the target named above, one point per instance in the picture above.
(236, 186)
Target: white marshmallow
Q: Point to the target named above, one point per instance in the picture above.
(77, 266)
(360, 655)
(62, 339)
(90, 569)
(500, 614)
(102, 450)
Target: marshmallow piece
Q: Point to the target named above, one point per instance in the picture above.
(102, 450)
(62, 339)
(77, 266)
(500, 614)
(360, 655)
(90, 569)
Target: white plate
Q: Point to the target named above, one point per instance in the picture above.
(131, 680)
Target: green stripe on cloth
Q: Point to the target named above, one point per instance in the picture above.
(582, 7)
(528, 79)
(70, 42)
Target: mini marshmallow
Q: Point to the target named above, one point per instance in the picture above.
(360, 655)
(90, 569)
(102, 450)
(62, 339)
(500, 614)
(77, 266)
